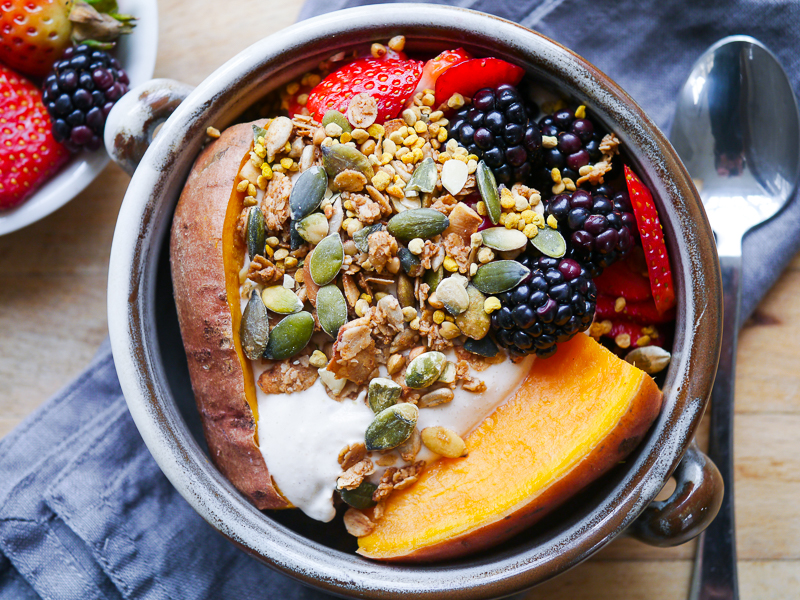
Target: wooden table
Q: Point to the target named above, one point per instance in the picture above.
(53, 318)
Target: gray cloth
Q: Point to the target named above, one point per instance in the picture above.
(85, 512)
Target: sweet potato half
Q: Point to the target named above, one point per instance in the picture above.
(205, 258)
(575, 416)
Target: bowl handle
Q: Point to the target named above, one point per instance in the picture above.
(131, 124)
(691, 507)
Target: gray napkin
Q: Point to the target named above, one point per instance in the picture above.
(85, 512)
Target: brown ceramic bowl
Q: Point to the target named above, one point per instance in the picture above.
(151, 362)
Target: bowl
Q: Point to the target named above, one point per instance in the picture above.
(137, 54)
(151, 363)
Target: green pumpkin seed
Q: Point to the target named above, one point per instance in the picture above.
(502, 239)
(422, 223)
(474, 322)
(281, 300)
(405, 291)
(499, 276)
(409, 261)
(259, 132)
(334, 116)
(307, 192)
(650, 359)
(326, 260)
(448, 373)
(382, 394)
(425, 369)
(391, 427)
(339, 158)
(361, 237)
(433, 279)
(331, 309)
(361, 497)
(295, 241)
(423, 179)
(483, 347)
(453, 295)
(256, 233)
(487, 186)
(290, 336)
(312, 228)
(254, 328)
(550, 242)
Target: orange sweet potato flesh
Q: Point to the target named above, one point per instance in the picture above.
(575, 416)
(206, 256)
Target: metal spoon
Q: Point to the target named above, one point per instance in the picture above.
(736, 129)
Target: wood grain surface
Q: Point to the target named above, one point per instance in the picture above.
(53, 318)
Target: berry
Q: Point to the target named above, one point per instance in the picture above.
(390, 81)
(655, 249)
(29, 154)
(643, 312)
(621, 280)
(550, 306)
(79, 94)
(469, 76)
(496, 129)
(34, 34)
(438, 65)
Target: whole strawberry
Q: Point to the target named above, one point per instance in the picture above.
(29, 154)
(34, 34)
(390, 81)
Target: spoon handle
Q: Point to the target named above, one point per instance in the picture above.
(715, 573)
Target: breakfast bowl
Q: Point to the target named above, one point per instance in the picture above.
(152, 365)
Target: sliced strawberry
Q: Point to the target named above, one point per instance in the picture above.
(634, 331)
(390, 82)
(621, 280)
(655, 250)
(643, 312)
(438, 65)
(29, 154)
(469, 76)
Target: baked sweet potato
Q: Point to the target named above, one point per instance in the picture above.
(206, 256)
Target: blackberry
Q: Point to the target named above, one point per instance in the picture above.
(497, 129)
(599, 226)
(79, 94)
(554, 303)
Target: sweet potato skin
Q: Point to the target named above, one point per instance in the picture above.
(198, 278)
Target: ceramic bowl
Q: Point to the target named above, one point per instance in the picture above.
(137, 54)
(151, 363)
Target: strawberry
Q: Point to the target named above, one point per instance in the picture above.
(438, 65)
(391, 82)
(28, 153)
(655, 250)
(619, 279)
(469, 76)
(34, 34)
(634, 330)
(643, 312)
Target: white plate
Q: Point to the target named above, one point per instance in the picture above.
(137, 54)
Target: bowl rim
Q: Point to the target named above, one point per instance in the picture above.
(143, 224)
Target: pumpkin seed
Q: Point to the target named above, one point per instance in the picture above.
(327, 259)
(382, 394)
(474, 322)
(258, 132)
(448, 373)
(290, 336)
(339, 158)
(391, 427)
(650, 359)
(499, 276)
(443, 441)
(452, 294)
(422, 223)
(334, 116)
(500, 238)
(405, 291)
(295, 241)
(361, 497)
(256, 232)
(425, 369)
(361, 237)
(423, 179)
(281, 300)
(254, 328)
(487, 186)
(313, 228)
(483, 347)
(433, 279)
(409, 261)
(436, 397)
(307, 192)
(454, 176)
(337, 218)
(550, 242)
(331, 309)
